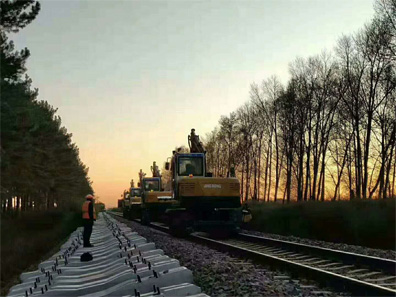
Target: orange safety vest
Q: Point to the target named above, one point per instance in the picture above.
(85, 210)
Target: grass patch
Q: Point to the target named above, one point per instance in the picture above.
(368, 223)
(27, 238)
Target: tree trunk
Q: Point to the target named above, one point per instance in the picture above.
(259, 167)
(289, 170)
(315, 176)
(340, 171)
(381, 176)
(387, 182)
(300, 173)
(266, 173)
(242, 185)
(270, 168)
(255, 180)
(247, 174)
(277, 171)
(323, 170)
(308, 164)
(366, 154)
(358, 160)
(319, 185)
(393, 180)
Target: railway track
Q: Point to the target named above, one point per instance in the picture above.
(359, 274)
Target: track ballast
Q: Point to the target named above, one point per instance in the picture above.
(360, 274)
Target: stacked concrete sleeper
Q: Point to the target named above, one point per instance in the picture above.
(124, 264)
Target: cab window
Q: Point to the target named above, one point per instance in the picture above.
(151, 185)
(189, 166)
(135, 193)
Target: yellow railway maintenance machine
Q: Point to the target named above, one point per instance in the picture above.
(204, 202)
(155, 201)
(132, 202)
(125, 204)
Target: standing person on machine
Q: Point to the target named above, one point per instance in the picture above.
(89, 216)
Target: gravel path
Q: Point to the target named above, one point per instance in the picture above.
(219, 274)
(387, 254)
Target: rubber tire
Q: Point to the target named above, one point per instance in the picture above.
(145, 218)
(178, 227)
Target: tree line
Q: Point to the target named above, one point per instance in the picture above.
(329, 133)
(40, 165)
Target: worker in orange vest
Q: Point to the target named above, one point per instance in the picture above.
(89, 216)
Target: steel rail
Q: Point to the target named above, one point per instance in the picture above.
(274, 251)
(385, 265)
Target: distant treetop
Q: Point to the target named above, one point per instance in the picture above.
(17, 14)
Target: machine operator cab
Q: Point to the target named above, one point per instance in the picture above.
(135, 196)
(151, 184)
(184, 166)
(190, 165)
(126, 199)
(135, 192)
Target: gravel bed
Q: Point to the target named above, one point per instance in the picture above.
(387, 254)
(219, 274)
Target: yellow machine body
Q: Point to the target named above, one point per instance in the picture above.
(159, 197)
(136, 200)
(209, 187)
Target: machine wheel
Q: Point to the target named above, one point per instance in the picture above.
(128, 214)
(133, 214)
(145, 218)
(234, 231)
(178, 225)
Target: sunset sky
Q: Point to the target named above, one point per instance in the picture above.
(131, 78)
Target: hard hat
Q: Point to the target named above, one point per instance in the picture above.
(89, 196)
